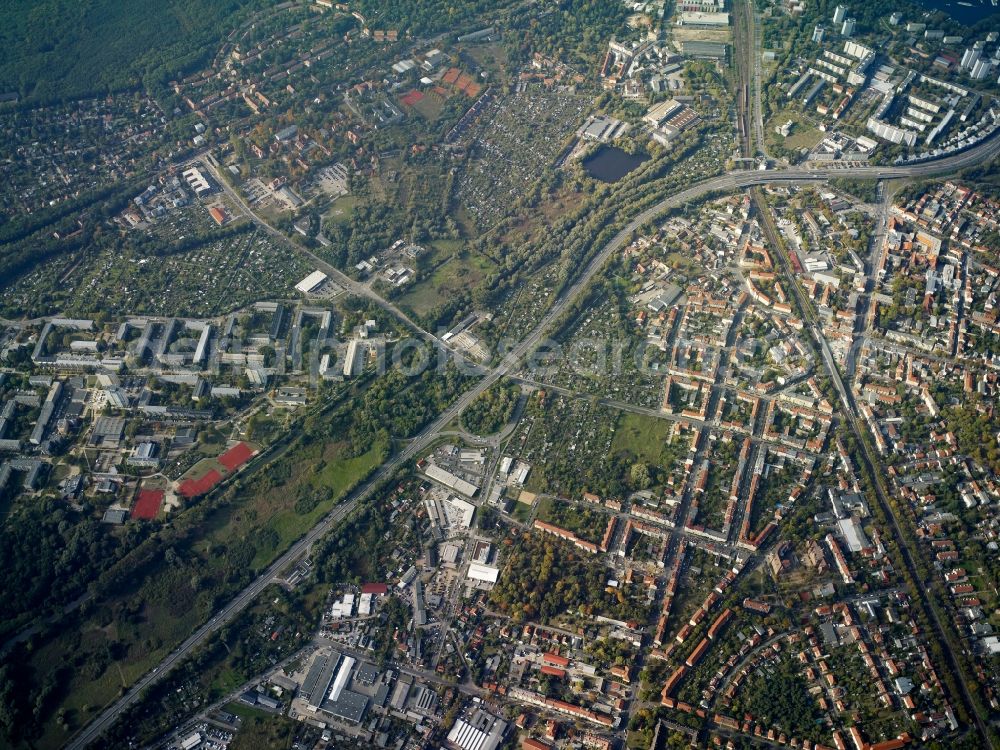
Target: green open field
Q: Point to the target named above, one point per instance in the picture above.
(430, 106)
(261, 730)
(204, 466)
(226, 680)
(454, 272)
(537, 481)
(521, 511)
(85, 692)
(419, 189)
(804, 134)
(333, 482)
(643, 437)
(285, 511)
(341, 209)
(491, 56)
(682, 262)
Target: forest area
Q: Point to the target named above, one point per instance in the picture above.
(61, 49)
(488, 413)
(547, 579)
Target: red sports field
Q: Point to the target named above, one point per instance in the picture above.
(411, 98)
(236, 456)
(147, 505)
(194, 487)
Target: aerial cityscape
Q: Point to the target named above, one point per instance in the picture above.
(500, 374)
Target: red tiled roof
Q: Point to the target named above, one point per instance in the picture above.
(555, 660)
(374, 588)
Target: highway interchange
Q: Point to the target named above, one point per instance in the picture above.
(980, 153)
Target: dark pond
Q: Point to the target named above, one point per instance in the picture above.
(967, 12)
(610, 164)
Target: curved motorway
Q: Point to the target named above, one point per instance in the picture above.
(979, 154)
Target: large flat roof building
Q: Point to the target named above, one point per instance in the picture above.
(680, 119)
(485, 573)
(286, 134)
(339, 701)
(661, 111)
(316, 685)
(459, 512)
(311, 282)
(349, 706)
(354, 361)
(450, 480)
(477, 730)
(697, 20)
(704, 50)
(202, 349)
(196, 180)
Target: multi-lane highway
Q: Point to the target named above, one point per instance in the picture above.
(732, 181)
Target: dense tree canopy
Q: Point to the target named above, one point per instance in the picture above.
(488, 413)
(57, 49)
(48, 557)
(546, 579)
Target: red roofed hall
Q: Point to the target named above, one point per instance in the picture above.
(555, 660)
(218, 215)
